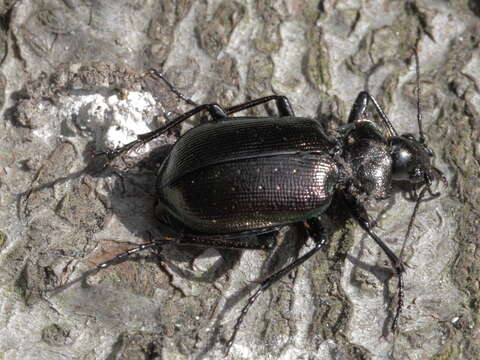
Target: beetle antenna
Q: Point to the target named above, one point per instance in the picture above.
(412, 218)
(400, 256)
(419, 113)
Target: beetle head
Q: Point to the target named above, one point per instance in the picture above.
(412, 161)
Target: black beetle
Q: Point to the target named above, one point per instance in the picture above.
(229, 182)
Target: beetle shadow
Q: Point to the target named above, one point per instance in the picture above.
(281, 255)
(141, 186)
(383, 274)
(133, 200)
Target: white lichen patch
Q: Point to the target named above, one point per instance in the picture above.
(114, 120)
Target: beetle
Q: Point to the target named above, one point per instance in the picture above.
(235, 181)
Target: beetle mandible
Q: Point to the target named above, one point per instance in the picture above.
(228, 182)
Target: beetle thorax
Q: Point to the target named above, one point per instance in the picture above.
(369, 161)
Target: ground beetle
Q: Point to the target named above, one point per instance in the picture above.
(229, 182)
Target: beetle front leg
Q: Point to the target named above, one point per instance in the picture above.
(316, 230)
(360, 214)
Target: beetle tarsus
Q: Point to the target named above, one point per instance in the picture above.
(173, 89)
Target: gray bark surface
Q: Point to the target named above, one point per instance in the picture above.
(72, 82)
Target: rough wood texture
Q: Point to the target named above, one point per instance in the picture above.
(70, 70)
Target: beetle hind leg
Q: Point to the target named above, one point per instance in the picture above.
(214, 109)
(264, 239)
(248, 240)
(110, 262)
(316, 230)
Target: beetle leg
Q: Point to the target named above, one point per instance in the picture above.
(218, 241)
(132, 251)
(360, 214)
(253, 240)
(111, 262)
(359, 109)
(314, 229)
(214, 109)
(172, 87)
(248, 240)
(283, 105)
